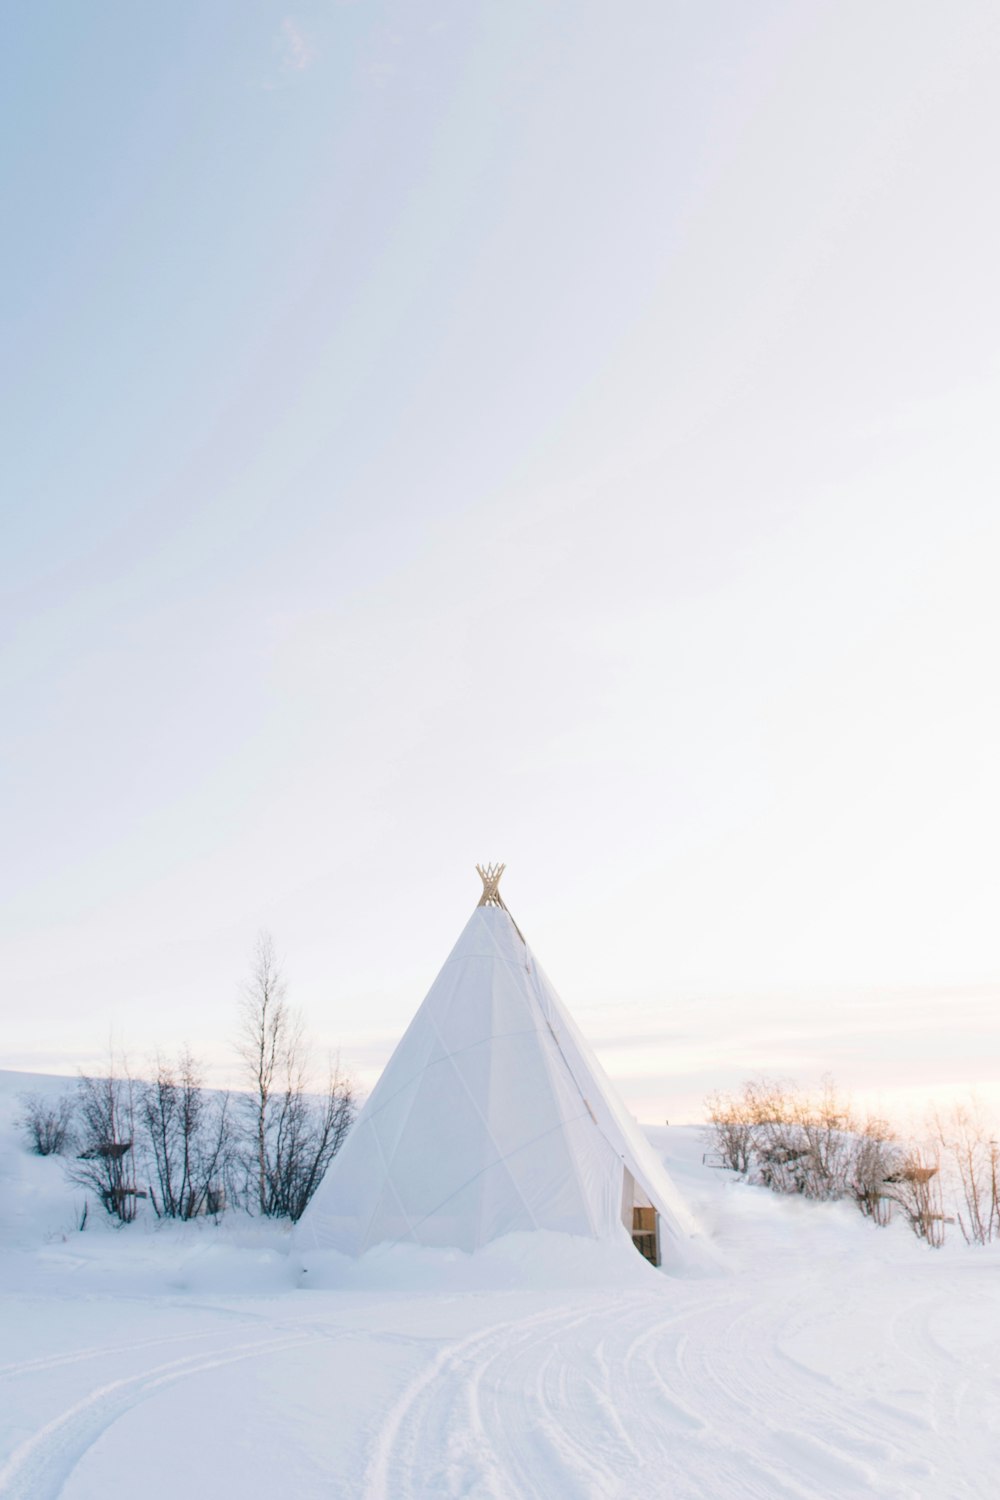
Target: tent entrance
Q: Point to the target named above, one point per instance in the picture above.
(640, 1219)
(646, 1233)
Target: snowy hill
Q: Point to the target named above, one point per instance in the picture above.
(827, 1358)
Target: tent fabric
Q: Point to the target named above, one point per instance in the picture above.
(492, 1116)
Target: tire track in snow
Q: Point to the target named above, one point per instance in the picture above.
(843, 1437)
(421, 1448)
(705, 1399)
(708, 1446)
(48, 1362)
(40, 1467)
(962, 1402)
(555, 1455)
(526, 1410)
(794, 1425)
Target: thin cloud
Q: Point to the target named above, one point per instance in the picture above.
(294, 52)
(298, 53)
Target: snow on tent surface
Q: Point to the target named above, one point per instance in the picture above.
(492, 1116)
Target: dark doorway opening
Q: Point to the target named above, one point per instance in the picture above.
(640, 1219)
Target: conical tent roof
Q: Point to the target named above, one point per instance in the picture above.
(492, 1116)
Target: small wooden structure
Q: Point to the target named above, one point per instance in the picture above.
(646, 1233)
(912, 1173)
(106, 1151)
(640, 1219)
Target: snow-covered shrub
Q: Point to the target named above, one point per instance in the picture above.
(786, 1140)
(781, 1138)
(732, 1131)
(46, 1124)
(876, 1159)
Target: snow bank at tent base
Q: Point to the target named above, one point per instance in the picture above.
(243, 1256)
(538, 1259)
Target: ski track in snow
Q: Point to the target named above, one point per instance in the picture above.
(697, 1403)
(97, 1351)
(39, 1468)
(754, 1387)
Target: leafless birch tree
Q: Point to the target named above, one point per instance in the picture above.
(293, 1133)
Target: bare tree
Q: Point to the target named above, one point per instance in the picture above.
(293, 1133)
(731, 1131)
(46, 1124)
(105, 1165)
(967, 1139)
(829, 1134)
(877, 1158)
(266, 1042)
(779, 1152)
(308, 1132)
(188, 1138)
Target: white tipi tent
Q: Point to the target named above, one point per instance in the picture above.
(494, 1116)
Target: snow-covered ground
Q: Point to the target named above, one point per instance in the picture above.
(825, 1359)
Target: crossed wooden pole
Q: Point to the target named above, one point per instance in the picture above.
(490, 876)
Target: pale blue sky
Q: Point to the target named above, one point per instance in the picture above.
(556, 433)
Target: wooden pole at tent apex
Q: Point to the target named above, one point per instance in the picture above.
(490, 876)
